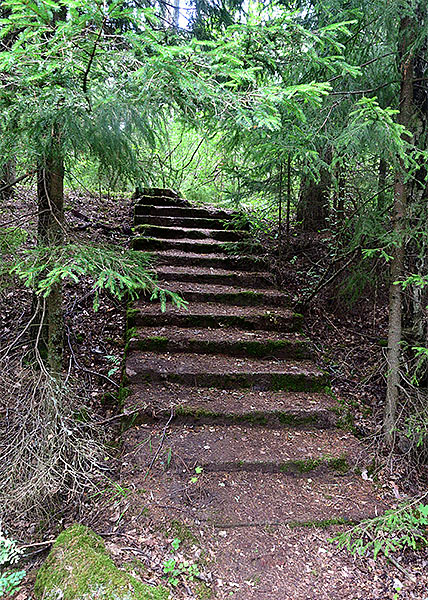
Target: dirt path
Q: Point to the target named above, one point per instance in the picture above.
(237, 436)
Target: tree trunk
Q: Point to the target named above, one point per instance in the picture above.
(407, 29)
(381, 184)
(176, 15)
(50, 196)
(288, 196)
(341, 189)
(7, 171)
(313, 207)
(7, 177)
(415, 317)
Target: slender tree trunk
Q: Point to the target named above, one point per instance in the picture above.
(288, 195)
(415, 317)
(407, 29)
(176, 15)
(280, 211)
(7, 171)
(50, 195)
(341, 188)
(50, 233)
(7, 177)
(313, 207)
(381, 184)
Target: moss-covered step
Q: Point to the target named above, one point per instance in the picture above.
(208, 246)
(214, 261)
(166, 198)
(214, 276)
(194, 405)
(244, 448)
(151, 244)
(216, 315)
(158, 232)
(156, 192)
(231, 342)
(183, 211)
(232, 295)
(79, 567)
(188, 222)
(224, 372)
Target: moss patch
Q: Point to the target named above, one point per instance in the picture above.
(339, 464)
(78, 567)
(182, 531)
(298, 383)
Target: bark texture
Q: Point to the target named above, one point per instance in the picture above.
(50, 194)
(407, 28)
(313, 208)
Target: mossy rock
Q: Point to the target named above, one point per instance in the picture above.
(79, 568)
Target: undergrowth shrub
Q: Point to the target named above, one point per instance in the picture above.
(120, 273)
(49, 456)
(10, 576)
(399, 529)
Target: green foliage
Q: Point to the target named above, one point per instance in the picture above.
(11, 239)
(10, 578)
(121, 273)
(416, 428)
(177, 570)
(372, 125)
(405, 527)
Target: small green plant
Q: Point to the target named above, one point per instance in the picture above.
(115, 495)
(198, 471)
(115, 360)
(10, 578)
(177, 570)
(405, 527)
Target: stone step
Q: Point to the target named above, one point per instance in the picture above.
(188, 404)
(218, 235)
(225, 372)
(188, 222)
(158, 192)
(230, 342)
(208, 246)
(213, 276)
(215, 261)
(244, 448)
(164, 201)
(159, 197)
(182, 211)
(224, 294)
(246, 499)
(210, 314)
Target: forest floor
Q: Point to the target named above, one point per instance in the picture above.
(348, 343)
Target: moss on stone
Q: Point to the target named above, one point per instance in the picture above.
(338, 464)
(155, 343)
(301, 466)
(297, 383)
(79, 567)
(131, 315)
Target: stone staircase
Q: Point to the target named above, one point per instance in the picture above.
(228, 385)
